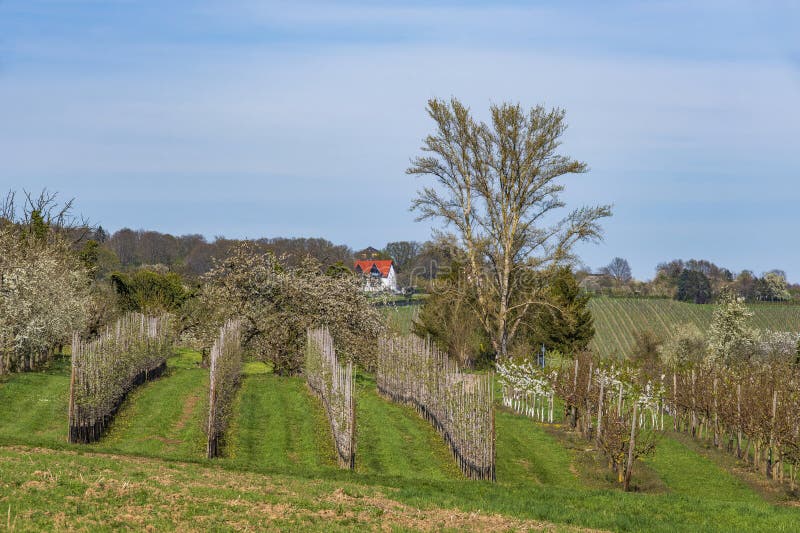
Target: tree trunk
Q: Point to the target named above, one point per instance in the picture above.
(694, 408)
(716, 416)
(758, 450)
(739, 420)
(574, 419)
(675, 401)
(771, 457)
(588, 415)
(631, 446)
(600, 409)
(71, 416)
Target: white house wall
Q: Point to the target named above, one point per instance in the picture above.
(390, 281)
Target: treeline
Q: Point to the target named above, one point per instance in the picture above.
(193, 255)
(152, 272)
(696, 280)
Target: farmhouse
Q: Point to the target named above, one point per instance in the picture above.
(381, 273)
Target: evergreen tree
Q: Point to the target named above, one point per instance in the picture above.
(338, 270)
(693, 286)
(566, 324)
(90, 254)
(39, 226)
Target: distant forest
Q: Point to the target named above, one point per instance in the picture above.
(193, 255)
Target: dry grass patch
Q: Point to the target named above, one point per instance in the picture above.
(393, 514)
(95, 491)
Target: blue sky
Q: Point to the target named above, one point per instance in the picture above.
(250, 118)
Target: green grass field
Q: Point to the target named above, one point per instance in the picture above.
(528, 455)
(164, 418)
(33, 405)
(400, 319)
(279, 469)
(276, 423)
(617, 319)
(673, 460)
(393, 440)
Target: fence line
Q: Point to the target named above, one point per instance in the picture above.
(333, 383)
(225, 373)
(413, 371)
(106, 369)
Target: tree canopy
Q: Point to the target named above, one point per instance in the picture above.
(693, 286)
(277, 303)
(619, 269)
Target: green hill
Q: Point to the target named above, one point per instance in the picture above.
(617, 319)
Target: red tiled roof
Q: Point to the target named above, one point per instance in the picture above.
(383, 265)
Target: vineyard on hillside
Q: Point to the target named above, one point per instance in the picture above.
(617, 319)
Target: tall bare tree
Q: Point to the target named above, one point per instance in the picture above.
(498, 186)
(619, 269)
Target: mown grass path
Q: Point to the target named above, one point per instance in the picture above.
(527, 454)
(34, 405)
(686, 472)
(394, 440)
(164, 417)
(277, 423)
(160, 418)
